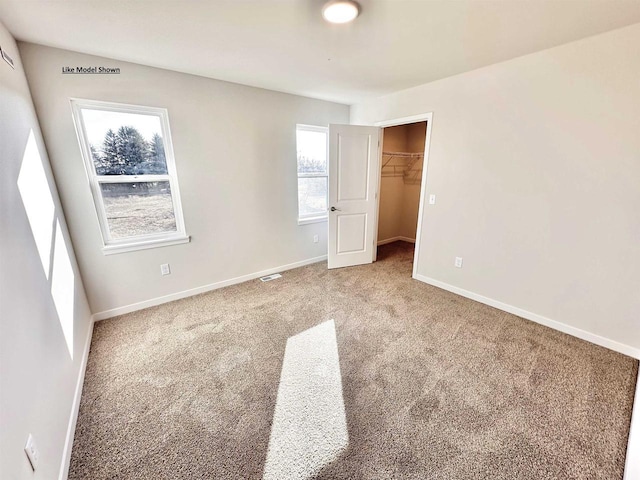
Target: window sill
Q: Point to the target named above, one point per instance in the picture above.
(307, 221)
(133, 246)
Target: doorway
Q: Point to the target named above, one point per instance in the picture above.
(355, 175)
(402, 163)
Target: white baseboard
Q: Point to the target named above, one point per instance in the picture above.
(395, 239)
(534, 317)
(75, 407)
(632, 467)
(205, 288)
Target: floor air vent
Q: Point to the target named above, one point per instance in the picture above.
(268, 278)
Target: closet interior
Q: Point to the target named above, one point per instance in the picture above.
(403, 149)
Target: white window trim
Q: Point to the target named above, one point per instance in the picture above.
(109, 245)
(309, 220)
(314, 217)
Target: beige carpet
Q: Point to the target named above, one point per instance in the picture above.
(434, 386)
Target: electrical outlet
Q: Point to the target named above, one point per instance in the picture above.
(432, 199)
(164, 269)
(31, 449)
(315, 239)
(458, 262)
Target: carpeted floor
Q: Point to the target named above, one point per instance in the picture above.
(434, 386)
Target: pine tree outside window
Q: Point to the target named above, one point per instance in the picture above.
(128, 157)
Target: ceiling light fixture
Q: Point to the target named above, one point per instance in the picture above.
(340, 11)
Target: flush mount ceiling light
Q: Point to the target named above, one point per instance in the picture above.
(340, 11)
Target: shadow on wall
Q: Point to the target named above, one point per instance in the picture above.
(309, 422)
(45, 227)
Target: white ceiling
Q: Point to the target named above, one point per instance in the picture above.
(285, 45)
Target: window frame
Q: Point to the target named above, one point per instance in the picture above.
(311, 218)
(136, 242)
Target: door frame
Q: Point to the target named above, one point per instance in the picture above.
(428, 117)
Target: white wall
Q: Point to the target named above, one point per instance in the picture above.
(236, 160)
(44, 316)
(536, 166)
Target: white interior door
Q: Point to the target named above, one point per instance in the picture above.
(353, 181)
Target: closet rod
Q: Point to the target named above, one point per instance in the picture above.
(403, 154)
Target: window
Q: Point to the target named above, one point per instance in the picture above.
(312, 147)
(129, 160)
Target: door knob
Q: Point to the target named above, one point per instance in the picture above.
(333, 209)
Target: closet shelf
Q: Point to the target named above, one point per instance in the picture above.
(403, 154)
(403, 164)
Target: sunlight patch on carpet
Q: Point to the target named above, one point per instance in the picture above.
(309, 422)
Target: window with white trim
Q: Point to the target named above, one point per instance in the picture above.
(312, 147)
(129, 160)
